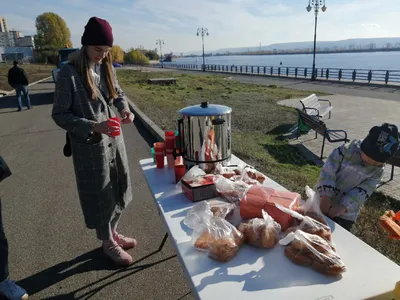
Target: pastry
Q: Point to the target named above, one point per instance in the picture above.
(297, 256)
(223, 249)
(204, 241)
(269, 237)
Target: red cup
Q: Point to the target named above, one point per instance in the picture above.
(169, 140)
(159, 154)
(170, 159)
(115, 133)
(180, 171)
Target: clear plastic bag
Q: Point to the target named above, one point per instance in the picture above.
(206, 209)
(311, 250)
(262, 233)
(227, 172)
(218, 237)
(233, 191)
(252, 176)
(192, 175)
(197, 214)
(223, 210)
(307, 224)
(311, 207)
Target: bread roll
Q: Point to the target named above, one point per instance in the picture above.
(328, 269)
(204, 241)
(223, 249)
(297, 256)
(269, 237)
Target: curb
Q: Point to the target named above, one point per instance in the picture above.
(155, 131)
(5, 93)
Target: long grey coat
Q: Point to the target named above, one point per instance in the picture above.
(100, 162)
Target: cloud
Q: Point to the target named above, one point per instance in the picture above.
(231, 23)
(371, 25)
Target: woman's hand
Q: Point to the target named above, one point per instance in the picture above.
(107, 127)
(337, 211)
(127, 117)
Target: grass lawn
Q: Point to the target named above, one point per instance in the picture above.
(257, 123)
(35, 72)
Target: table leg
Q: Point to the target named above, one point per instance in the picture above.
(163, 242)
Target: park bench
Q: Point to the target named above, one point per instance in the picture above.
(312, 106)
(163, 81)
(395, 162)
(314, 123)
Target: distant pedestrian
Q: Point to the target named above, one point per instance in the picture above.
(19, 81)
(8, 288)
(85, 90)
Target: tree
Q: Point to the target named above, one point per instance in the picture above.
(151, 54)
(117, 54)
(136, 56)
(52, 34)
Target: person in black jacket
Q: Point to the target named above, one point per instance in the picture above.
(8, 288)
(19, 81)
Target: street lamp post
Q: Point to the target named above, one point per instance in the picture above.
(203, 31)
(316, 5)
(160, 43)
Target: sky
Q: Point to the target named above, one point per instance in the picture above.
(231, 23)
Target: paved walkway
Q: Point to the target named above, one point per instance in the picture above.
(52, 254)
(355, 115)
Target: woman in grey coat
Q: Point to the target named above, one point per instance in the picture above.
(85, 90)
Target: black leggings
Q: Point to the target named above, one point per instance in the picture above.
(3, 251)
(346, 224)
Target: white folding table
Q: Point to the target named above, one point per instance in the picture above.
(266, 274)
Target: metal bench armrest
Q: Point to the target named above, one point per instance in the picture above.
(339, 131)
(312, 108)
(325, 100)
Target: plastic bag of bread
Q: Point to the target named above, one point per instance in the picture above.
(222, 209)
(311, 250)
(232, 191)
(311, 207)
(218, 237)
(390, 222)
(262, 233)
(252, 174)
(197, 213)
(259, 198)
(228, 172)
(307, 224)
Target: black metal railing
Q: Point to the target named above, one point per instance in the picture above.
(352, 75)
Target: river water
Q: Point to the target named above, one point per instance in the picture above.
(367, 60)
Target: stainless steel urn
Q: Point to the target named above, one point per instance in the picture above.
(205, 135)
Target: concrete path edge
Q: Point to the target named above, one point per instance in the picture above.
(5, 93)
(155, 131)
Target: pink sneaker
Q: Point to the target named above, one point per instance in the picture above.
(116, 253)
(124, 242)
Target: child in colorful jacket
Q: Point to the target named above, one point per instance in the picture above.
(352, 173)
